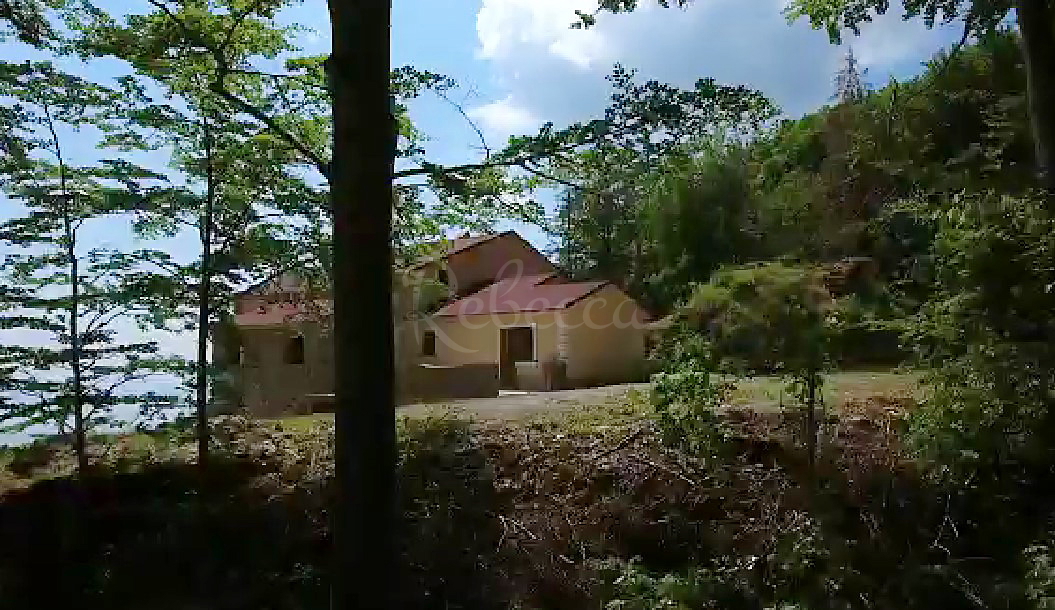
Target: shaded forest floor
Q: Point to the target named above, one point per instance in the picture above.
(585, 509)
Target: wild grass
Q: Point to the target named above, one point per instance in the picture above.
(769, 392)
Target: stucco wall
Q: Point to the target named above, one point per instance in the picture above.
(434, 383)
(602, 339)
(270, 386)
(474, 339)
(605, 339)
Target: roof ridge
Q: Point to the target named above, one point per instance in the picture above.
(483, 239)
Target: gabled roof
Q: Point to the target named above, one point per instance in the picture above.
(526, 293)
(456, 245)
(278, 314)
(459, 245)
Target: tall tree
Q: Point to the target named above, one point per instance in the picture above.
(245, 184)
(73, 295)
(364, 151)
(611, 180)
(1036, 27)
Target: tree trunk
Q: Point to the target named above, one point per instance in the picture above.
(361, 198)
(79, 436)
(70, 236)
(1036, 24)
(811, 421)
(204, 290)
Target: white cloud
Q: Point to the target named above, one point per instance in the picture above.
(507, 27)
(503, 118)
(891, 40)
(547, 70)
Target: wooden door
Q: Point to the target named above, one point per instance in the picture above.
(515, 345)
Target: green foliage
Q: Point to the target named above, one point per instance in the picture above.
(823, 188)
(979, 16)
(986, 332)
(41, 299)
(633, 587)
(655, 163)
(617, 6)
(769, 317)
(429, 294)
(1040, 575)
(793, 579)
(221, 54)
(686, 394)
(59, 290)
(27, 20)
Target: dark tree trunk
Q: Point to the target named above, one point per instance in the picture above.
(204, 290)
(1036, 24)
(811, 421)
(69, 226)
(361, 198)
(79, 435)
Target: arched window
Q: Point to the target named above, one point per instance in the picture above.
(295, 350)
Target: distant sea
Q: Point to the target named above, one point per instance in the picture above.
(127, 415)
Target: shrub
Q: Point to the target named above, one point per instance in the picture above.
(765, 318)
(988, 334)
(686, 394)
(769, 317)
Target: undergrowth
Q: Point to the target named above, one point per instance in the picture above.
(592, 509)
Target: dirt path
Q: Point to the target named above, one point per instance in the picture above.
(511, 406)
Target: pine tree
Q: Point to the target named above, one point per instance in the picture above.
(849, 87)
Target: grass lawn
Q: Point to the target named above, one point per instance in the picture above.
(766, 391)
(763, 392)
(304, 423)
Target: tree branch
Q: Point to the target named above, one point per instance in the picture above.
(432, 169)
(219, 88)
(239, 20)
(468, 119)
(956, 48)
(92, 326)
(320, 164)
(534, 170)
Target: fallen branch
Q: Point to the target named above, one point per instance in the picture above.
(627, 440)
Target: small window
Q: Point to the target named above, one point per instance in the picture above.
(295, 350)
(428, 343)
(442, 276)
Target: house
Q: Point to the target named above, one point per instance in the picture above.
(483, 313)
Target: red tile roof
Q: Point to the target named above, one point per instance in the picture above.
(461, 243)
(278, 314)
(525, 293)
(457, 245)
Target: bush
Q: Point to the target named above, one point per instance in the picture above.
(765, 318)
(685, 395)
(252, 532)
(867, 335)
(989, 335)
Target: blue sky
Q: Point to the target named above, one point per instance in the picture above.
(519, 64)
